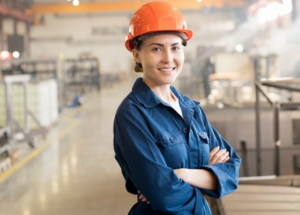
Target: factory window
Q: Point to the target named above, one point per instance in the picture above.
(296, 131)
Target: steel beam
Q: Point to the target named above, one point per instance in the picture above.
(86, 7)
(16, 14)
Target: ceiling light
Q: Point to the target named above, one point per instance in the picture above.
(239, 48)
(76, 2)
(4, 54)
(16, 54)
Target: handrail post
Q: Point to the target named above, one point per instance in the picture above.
(258, 143)
(244, 158)
(276, 108)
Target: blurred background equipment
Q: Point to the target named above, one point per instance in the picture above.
(81, 76)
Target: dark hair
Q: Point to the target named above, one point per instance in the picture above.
(137, 45)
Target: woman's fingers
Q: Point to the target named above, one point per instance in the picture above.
(226, 159)
(223, 157)
(143, 198)
(214, 151)
(218, 157)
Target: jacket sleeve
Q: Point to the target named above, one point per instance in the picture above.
(227, 173)
(144, 166)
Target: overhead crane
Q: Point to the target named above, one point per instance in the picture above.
(113, 6)
(14, 13)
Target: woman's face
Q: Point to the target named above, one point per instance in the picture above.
(162, 59)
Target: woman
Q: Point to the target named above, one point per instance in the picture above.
(162, 139)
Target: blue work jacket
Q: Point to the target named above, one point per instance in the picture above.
(151, 140)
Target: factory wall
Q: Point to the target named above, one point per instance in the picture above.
(104, 35)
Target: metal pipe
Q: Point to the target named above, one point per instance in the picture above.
(276, 139)
(9, 111)
(281, 80)
(268, 67)
(26, 121)
(257, 121)
(290, 105)
(281, 87)
(244, 158)
(295, 11)
(259, 87)
(27, 40)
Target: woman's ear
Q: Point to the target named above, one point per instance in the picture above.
(136, 57)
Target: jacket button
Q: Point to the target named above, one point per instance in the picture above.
(185, 130)
(173, 139)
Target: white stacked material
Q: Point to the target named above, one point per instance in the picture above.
(42, 102)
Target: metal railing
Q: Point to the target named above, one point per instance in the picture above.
(12, 125)
(277, 107)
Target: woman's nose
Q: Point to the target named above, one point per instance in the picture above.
(167, 56)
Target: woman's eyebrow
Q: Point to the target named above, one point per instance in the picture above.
(159, 44)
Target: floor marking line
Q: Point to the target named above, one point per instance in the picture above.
(33, 154)
(84, 106)
(37, 151)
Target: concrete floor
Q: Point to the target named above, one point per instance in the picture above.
(77, 173)
(73, 171)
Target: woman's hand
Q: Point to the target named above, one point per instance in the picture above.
(218, 156)
(215, 156)
(142, 197)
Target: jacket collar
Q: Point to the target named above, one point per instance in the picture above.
(148, 98)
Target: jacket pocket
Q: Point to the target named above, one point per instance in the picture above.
(174, 149)
(205, 147)
(204, 137)
(169, 139)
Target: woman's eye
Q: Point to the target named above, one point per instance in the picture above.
(156, 49)
(175, 48)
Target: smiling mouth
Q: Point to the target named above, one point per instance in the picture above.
(166, 69)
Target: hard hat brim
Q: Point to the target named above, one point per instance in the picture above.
(129, 41)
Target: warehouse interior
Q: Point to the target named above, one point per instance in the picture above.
(64, 70)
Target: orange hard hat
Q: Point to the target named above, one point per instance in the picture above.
(156, 17)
